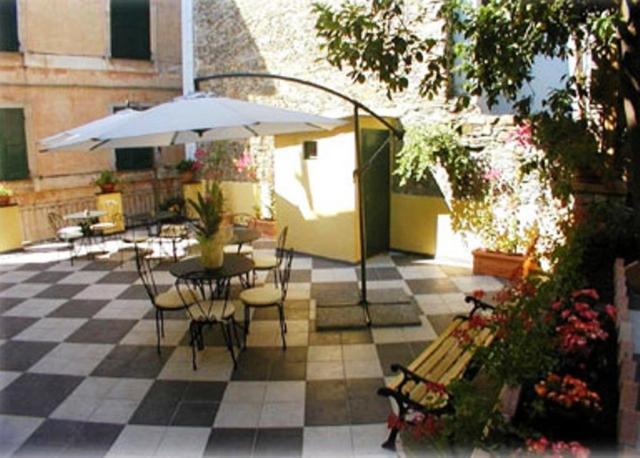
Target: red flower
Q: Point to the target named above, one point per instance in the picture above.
(478, 294)
(611, 311)
(394, 422)
(589, 292)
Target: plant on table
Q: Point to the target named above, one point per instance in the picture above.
(106, 180)
(5, 195)
(210, 232)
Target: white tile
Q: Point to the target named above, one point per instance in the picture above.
(299, 291)
(301, 263)
(85, 277)
(144, 333)
(183, 442)
(129, 389)
(214, 364)
(347, 274)
(362, 369)
(380, 260)
(35, 307)
(24, 290)
(6, 377)
(238, 415)
(76, 408)
(420, 272)
(125, 309)
(51, 329)
(17, 276)
(367, 440)
(66, 266)
(472, 283)
(327, 441)
(114, 411)
(282, 415)
(360, 352)
(387, 335)
(326, 370)
(317, 353)
(285, 392)
(14, 430)
(138, 440)
(253, 392)
(423, 332)
(72, 359)
(101, 291)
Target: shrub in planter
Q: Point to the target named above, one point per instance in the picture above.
(187, 169)
(5, 196)
(106, 181)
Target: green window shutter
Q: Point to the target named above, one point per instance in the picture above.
(134, 158)
(13, 145)
(130, 29)
(8, 26)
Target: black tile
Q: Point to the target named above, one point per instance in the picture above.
(326, 413)
(78, 308)
(195, 414)
(134, 292)
(394, 353)
(441, 322)
(212, 335)
(102, 331)
(293, 310)
(167, 315)
(365, 388)
(356, 337)
(204, 391)
(285, 370)
(297, 276)
(37, 395)
(12, 325)
(279, 442)
(120, 277)
(17, 355)
(230, 442)
(248, 371)
(335, 293)
(323, 263)
(365, 410)
(432, 286)
(386, 273)
(133, 361)
(48, 277)
(94, 439)
(154, 413)
(324, 337)
(7, 303)
(36, 266)
(61, 291)
(4, 286)
(326, 390)
(101, 265)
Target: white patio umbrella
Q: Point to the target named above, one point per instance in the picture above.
(195, 118)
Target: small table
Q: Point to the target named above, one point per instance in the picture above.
(191, 270)
(84, 219)
(242, 235)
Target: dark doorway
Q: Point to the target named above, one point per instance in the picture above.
(376, 190)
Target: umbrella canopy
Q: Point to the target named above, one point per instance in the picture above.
(195, 118)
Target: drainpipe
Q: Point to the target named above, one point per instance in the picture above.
(188, 86)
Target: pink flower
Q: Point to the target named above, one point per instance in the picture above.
(492, 175)
(200, 154)
(589, 292)
(611, 311)
(523, 135)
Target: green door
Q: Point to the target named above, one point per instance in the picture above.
(376, 190)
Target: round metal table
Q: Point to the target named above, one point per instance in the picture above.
(192, 269)
(243, 235)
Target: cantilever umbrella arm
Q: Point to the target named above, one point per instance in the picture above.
(357, 174)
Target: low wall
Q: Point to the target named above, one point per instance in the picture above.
(628, 413)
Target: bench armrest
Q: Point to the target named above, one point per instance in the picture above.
(478, 305)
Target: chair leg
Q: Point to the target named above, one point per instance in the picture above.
(194, 338)
(226, 333)
(162, 323)
(234, 326)
(247, 322)
(158, 314)
(283, 325)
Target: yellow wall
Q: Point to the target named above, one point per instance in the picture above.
(239, 196)
(11, 233)
(112, 204)
(414, 222)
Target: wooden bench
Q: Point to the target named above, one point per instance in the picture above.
(421, 387)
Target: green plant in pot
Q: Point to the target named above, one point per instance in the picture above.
(210, 231)
(106, 181)
(5, 196)
(187, 168)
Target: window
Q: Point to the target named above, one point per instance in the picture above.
(13, 145)
(133, 158)
(130, 30)
(8, 26)
(310, 150)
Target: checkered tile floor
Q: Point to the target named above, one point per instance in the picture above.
(79, 372)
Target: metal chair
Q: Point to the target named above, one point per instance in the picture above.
(67, 234)
(173, 299)
(269, 296)
(272, 263)
(241, 221)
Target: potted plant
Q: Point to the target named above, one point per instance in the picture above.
(187, 169)
(212, 235)
(5, 196)
(107, 181)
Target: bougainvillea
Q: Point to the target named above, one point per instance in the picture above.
(545, 447)
(567, 391)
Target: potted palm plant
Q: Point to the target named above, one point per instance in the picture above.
(5, 196)
(210, 231)
(107, 181)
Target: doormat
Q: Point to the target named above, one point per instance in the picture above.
(406, 314)
(348, 316)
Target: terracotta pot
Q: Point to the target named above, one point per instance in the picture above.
(266, 227)
(501, 265)
(5, 201)
(187, 177)
(107, 188)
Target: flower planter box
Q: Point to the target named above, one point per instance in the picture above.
(266, 227)
(497, 264)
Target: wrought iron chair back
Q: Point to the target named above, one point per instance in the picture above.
(145, 272)
(285, 275)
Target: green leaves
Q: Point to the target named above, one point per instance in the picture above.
(209, 208)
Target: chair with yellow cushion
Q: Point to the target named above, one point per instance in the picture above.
(172, 299)
(272, 263)
(269, 296)
(241, 221)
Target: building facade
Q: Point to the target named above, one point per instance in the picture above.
(67, 62)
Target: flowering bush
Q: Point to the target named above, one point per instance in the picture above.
(567, 391)
(543, 446)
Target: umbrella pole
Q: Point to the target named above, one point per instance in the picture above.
(361, 219)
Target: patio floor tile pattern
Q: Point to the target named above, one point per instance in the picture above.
(80, 373)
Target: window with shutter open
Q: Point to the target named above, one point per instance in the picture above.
(9, 26)
(13, 145)
(130, 29)
(133, 158)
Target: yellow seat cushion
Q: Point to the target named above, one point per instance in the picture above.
(171, 298)
(265, 262)
(263, 295)
(212, 310)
